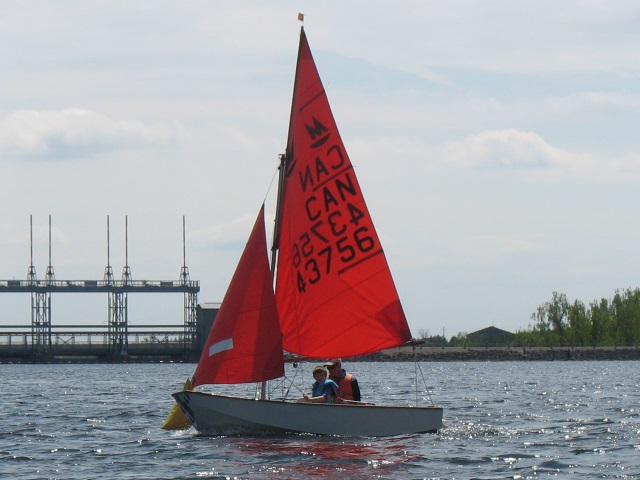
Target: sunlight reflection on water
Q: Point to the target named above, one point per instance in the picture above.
(502, 419)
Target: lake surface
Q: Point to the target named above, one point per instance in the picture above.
(502, 420)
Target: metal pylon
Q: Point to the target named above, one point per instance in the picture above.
(108, 275)
(119, 318)
(118, 324)
(40, 304)
(190, 312)
(190, 299)
(41, 314)
(41, 323)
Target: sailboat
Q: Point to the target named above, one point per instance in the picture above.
(334, 295)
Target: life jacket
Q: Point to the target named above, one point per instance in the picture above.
(320, 388)
(345, 387)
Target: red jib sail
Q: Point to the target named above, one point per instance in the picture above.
(244, 343)
(334, 290)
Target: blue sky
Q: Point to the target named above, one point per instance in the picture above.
(496, 143)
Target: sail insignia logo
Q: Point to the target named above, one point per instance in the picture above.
(316, 130)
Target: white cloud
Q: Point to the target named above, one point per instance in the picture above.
(67, 133)
(501, 244)
(227, 235)
(525, 151)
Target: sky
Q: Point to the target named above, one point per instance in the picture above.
(497, 145)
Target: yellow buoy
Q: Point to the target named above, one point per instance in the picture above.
(177, 420)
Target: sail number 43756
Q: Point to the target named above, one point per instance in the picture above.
(342, 245)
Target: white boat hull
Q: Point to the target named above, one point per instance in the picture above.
(213, 414)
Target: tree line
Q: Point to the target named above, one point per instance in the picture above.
(557, 322)
(605, 323)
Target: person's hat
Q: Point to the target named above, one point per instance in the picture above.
(319, 368)
(332, 362)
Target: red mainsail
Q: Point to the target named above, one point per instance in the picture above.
(334, 291)
(244, 343)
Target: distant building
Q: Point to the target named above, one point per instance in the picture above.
(205, 315)
(490, 337)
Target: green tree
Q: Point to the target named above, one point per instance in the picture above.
(458, 340)
(579, 333)
(550, 321)
(435, 341)
(557, 312)
(602, 323)
(626, 307)
(530, 338)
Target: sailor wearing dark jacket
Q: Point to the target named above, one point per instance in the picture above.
(348, 387)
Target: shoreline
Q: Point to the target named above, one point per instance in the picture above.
(402, 354)
(485, 354)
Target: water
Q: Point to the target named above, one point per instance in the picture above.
(503, 420)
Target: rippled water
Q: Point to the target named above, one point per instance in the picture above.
(502, 420)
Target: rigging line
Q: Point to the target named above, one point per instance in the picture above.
(264, 202)
(300, 390)
(426, 387)
(275, 173)
(418, 368)
(415, 371)
(273, 388)
(274, 246)
(291, 384)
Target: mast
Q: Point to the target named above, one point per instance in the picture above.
(279, 202)
(285, 160)
(276, 240)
